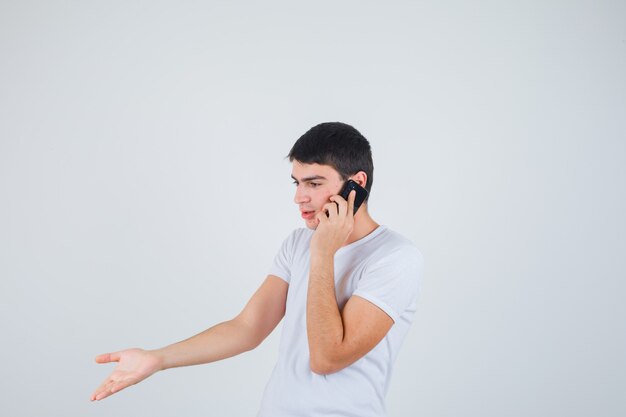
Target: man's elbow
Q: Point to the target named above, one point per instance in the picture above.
(325, 365)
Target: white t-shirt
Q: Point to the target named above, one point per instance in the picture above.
(383, 268)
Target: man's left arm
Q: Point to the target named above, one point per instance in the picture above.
(338, 338)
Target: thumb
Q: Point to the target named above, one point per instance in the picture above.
(108, 357)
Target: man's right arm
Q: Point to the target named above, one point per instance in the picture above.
(245, 332)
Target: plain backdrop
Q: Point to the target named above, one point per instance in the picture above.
(144, 191)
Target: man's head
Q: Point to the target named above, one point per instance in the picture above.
(323, 159)
(336, 144)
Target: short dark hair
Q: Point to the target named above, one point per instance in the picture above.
(336, 144)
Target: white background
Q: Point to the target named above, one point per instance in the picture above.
(144, 192)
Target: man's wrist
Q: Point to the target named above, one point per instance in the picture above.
(322, 267)
(160, 355)
(322, 256)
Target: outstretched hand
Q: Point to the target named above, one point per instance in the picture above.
(133, 366)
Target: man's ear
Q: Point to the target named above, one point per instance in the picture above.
(360, 178)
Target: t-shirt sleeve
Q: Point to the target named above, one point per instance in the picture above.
(281, 267)
(393, 283)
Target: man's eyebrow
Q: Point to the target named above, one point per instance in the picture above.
(311, 178)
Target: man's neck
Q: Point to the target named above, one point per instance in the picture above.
(363, 226)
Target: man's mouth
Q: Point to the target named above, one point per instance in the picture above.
(308, 215)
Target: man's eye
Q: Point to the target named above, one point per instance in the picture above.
(314, 184)
(295, 183)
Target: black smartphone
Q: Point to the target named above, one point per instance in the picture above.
(361, 193)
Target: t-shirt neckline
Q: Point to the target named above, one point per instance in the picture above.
(363, 240)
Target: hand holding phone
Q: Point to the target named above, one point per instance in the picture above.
(361, 193)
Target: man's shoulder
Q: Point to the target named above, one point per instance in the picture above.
(389, 242)
(299, 236)
(394, 239)
(300, 233)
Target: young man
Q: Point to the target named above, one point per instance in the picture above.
(346, 287)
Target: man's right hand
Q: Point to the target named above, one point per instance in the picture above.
(133, 366)
(245, 332)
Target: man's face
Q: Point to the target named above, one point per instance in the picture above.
(315, 184)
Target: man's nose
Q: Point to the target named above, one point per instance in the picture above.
(301, 196)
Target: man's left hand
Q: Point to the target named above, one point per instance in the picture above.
(333, 229)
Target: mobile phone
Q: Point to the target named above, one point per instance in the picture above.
(361, 193)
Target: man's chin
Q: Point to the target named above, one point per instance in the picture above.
(311, 224)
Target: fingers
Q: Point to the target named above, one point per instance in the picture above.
(109, 387)
(343, 206)
(337, 208)
(322, 217)
(351, 198)
(108, 357)
(103, 391)
(331, 208)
